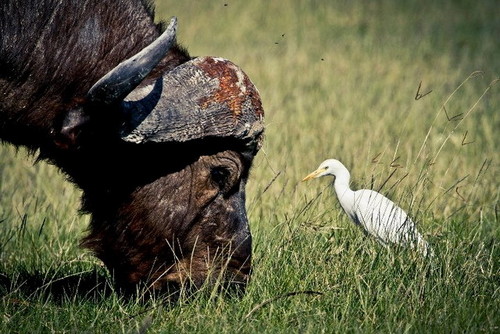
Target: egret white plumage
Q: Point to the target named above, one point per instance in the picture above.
(377, 214)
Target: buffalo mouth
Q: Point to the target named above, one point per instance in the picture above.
(239, 272)
(240, 268)
(232, 275)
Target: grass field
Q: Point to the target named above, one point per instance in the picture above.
(338, 79)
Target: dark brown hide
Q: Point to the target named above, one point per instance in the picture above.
(182, 228)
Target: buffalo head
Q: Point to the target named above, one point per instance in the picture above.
(163, 158)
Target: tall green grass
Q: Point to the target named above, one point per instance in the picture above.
(338, 79)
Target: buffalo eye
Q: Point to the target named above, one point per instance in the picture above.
(220, 176)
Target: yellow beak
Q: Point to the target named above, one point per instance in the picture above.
(312, 175)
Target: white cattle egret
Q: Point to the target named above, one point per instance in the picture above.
(377, 214)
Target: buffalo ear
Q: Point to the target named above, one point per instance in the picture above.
(68, 137)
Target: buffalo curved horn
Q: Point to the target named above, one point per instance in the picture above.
(121, 80)
(206, 97)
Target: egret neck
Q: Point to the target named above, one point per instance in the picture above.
(344, 193)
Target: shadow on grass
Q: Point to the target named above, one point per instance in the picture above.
(94, 285)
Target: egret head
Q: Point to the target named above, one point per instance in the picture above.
(327, 167)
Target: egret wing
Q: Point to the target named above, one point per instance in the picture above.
(382, 218)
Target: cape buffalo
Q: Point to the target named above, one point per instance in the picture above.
(159, 142)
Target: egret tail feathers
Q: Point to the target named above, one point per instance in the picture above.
(424, 248)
